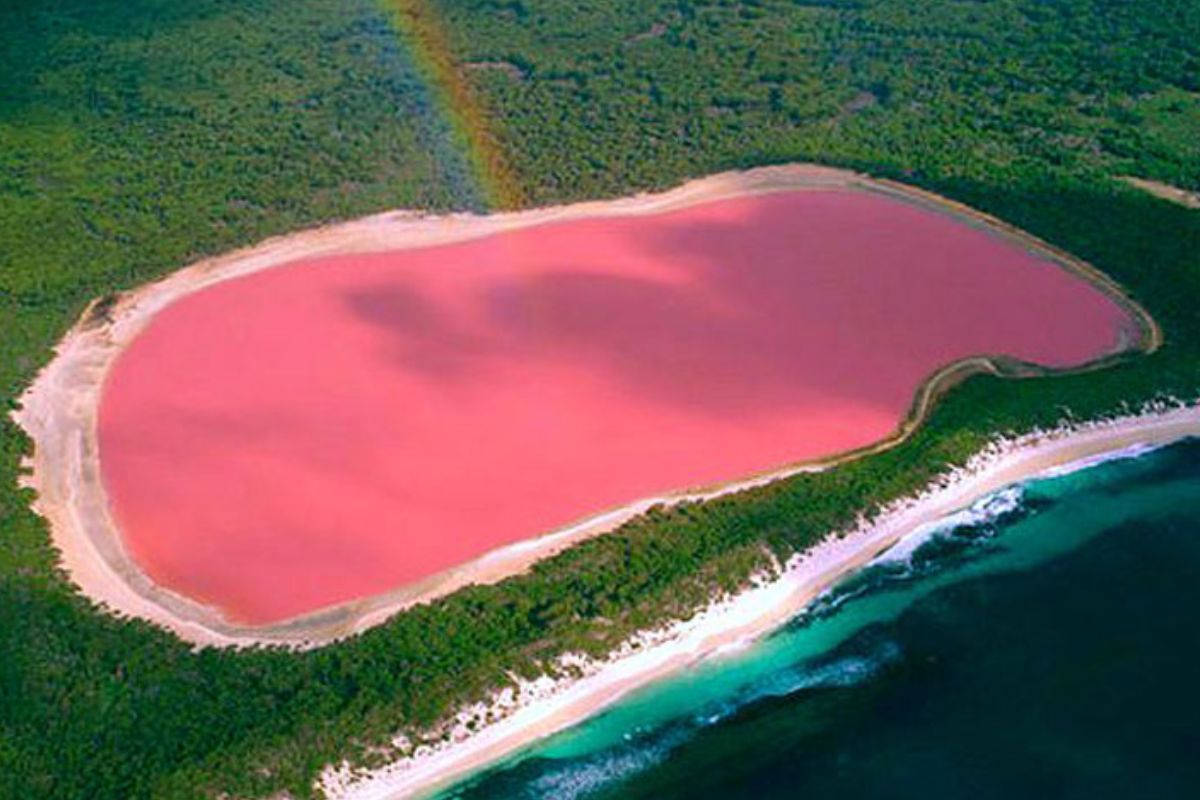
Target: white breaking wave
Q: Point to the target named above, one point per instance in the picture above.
(898, 563)
(643, 749)
(841, 672)
(986, 510)
(577, 780)
(1135, 451)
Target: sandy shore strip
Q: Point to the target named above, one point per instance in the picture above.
(486, 733)
(1165, 191)
(60, 409)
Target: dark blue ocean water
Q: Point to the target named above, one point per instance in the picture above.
(1043, 646)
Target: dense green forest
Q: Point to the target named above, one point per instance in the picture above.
(648, 92)
(137, 135)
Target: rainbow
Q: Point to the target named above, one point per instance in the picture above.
(418, 24)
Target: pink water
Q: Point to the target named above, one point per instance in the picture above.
(333, 429)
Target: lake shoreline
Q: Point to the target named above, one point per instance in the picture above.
(60, 409)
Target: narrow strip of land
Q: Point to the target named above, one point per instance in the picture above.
(733, 622)
(1165, 191)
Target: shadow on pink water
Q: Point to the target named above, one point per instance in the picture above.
(334, 429)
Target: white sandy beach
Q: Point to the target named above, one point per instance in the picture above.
(540, 709)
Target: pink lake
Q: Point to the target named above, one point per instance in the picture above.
(333, 429)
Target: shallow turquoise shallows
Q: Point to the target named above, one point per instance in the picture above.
(1042, 645)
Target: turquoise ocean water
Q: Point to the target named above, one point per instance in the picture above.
(1042, 645)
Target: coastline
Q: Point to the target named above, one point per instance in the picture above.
(487, 733)
(59, 410)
